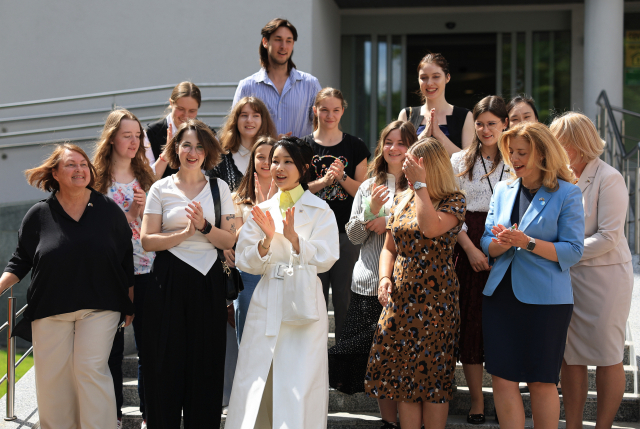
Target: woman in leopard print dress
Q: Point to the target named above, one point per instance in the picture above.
(413, 356)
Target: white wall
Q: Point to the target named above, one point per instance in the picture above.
(325, 63)
(53, 49)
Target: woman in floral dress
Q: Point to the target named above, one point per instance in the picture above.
(413, 356)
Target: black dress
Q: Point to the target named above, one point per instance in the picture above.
(523, 342)
(454, 125)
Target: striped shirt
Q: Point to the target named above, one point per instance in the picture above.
(365, 271)
(293, 110)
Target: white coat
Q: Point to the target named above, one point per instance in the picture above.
(298, 353)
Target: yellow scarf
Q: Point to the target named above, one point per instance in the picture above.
(289, 198)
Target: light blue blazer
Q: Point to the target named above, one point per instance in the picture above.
(557, 217)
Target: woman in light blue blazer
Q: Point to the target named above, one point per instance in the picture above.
(533, 234)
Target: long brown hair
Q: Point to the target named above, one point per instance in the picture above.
(103, 158)
(547, 153)
(323, 94)
(493, 104)
(246, 192)
(229, 135)
(41, 177)
(378, 166)
(271, 27)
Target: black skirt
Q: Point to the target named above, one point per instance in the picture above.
(348, 359)
(523, 342)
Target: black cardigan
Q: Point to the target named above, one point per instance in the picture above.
(80, 265)
(228, 171)
(157, 135)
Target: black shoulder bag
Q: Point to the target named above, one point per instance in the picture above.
(233, 281)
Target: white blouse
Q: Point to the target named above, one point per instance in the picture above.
(167, 200)
(478, 190)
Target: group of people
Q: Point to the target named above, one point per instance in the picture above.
(479, 236)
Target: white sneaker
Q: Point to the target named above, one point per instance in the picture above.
(144, 425)
(119, 424)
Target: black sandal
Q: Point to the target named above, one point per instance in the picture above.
(390, 425)
(476, 419)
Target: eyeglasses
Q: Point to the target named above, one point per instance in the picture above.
(490, 125)
(186, 147)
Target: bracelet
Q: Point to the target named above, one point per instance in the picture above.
(161, 158)
(263, 246)
(384, 277)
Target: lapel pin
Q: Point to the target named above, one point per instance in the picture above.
(542, 201)
(300, 211)
(90, 205)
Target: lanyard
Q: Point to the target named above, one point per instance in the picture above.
(486, 172)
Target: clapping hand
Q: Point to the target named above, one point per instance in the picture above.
(137, 206)
(379, 196)
(288, 222)
(260, 197)
(337, 169)
(428, 128)
(195, 214)
(264, 221)
(497, 230)
(169, 133)
(513, 237)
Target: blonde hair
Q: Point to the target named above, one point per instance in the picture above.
(440, 180)
(577, 131)
(103, 158)
(546, 153)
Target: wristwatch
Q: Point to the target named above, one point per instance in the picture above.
(419, 185)
(344, 176)
(206, 229)
(531, 245)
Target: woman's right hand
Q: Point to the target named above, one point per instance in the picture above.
(379, 197)
(264, 221)
(260, 197)
(497, 230)
(385, 287)
(230, 257)
(190, 230)
(478, 260)
(169, 133)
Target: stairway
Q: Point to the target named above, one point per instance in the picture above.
(361, 411)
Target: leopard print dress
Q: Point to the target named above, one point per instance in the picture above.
(414, 351)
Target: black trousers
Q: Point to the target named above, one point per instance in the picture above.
(115, 366)
(184, 344)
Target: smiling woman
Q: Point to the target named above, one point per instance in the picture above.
(73, 308)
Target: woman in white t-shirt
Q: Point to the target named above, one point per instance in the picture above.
(185, 308)
(123, 174)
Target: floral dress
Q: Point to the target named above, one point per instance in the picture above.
(414, 351)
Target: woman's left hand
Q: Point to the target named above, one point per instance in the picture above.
(413, 169)
(195, 213)
(514, 237)
(288, 231)
(337, 168)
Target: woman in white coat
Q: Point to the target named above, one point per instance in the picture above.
(281, 379)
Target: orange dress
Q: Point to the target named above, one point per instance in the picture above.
(414, 351)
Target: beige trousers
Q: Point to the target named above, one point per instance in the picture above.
(74, 387)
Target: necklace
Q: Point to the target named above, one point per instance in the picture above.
(486, 172)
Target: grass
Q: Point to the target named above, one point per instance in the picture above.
(20, 371)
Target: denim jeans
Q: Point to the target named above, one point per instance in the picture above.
(241, 305)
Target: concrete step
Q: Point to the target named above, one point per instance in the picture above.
(461, 403)
(132, 420)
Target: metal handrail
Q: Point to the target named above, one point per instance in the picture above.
(111, 94)
(616, 154)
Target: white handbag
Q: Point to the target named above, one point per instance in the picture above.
(299, 302)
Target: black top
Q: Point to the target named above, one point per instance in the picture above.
(351, 151)
(455, 122)
(157, 135)
(523, 199)
(227, 171)
(76, 265)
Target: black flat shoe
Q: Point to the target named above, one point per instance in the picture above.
(389, 425)
(476, 419)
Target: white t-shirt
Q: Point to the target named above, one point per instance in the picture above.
(167, 200)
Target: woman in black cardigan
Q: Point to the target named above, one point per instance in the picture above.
(77, 242)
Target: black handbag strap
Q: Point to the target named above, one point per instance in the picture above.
(215, 194)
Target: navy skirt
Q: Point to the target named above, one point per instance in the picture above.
(523, 342)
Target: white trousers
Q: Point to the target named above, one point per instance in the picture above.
(74, 387)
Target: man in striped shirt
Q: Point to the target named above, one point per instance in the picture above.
(288, 93)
